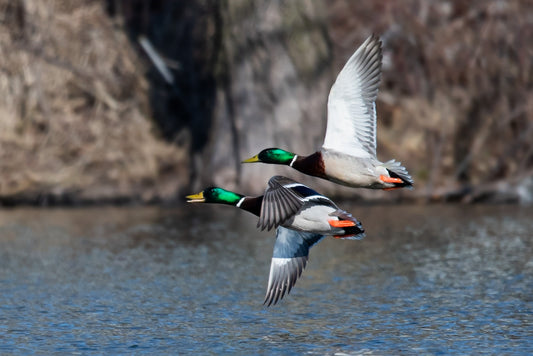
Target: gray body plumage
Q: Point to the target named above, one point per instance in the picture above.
(296, 206)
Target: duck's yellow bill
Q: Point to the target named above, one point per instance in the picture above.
(252, 159)
(196, 198)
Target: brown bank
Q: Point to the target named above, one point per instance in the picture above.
(86, 117)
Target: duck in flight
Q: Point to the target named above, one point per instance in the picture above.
(348, 155)
(302, 218)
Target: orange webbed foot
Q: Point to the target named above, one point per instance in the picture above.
(341, 223)
(390, 179)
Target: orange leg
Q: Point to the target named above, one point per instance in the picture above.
(342, 237)
(390, 179)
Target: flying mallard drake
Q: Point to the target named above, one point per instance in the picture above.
(302, 217)
(348, 155)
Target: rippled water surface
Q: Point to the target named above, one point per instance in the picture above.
(425, 280)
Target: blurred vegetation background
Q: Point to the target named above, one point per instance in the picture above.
(143, 101)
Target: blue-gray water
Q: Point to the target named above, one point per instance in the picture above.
(425, 280)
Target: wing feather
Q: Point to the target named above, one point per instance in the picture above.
(351, 127)
(279, 203)
(289, 259)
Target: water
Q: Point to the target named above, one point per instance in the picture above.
(425, 280)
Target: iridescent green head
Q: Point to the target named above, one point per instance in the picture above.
(272, 156)
(215, 195)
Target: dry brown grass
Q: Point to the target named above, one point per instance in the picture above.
(74, 112)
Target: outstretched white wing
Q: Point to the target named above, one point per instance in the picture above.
(351, 127)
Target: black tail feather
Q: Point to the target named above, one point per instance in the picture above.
(405, 182)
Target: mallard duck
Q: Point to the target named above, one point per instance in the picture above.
(302, 217)
(348, 155)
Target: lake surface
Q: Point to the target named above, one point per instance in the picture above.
(426, 280)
